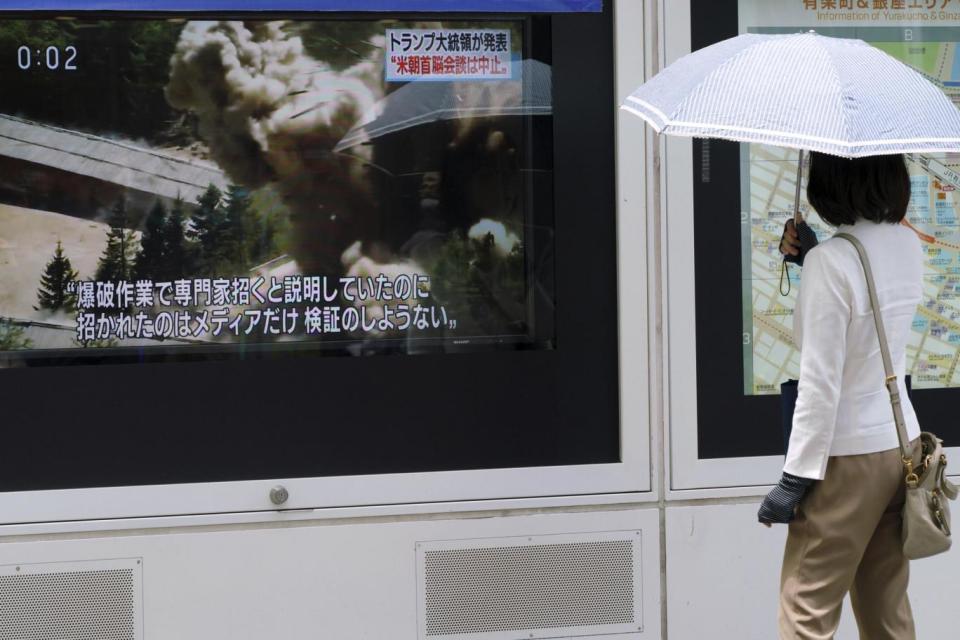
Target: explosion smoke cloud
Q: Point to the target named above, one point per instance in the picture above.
(271, 113)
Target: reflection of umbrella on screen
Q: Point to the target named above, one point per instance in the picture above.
(416, 103)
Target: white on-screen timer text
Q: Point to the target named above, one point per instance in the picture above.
(52, 58)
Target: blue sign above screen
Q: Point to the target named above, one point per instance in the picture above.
(439, 6)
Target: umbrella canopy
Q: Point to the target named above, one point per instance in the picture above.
(801, 91)
(417, 103)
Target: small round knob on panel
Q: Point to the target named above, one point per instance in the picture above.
(279, 495)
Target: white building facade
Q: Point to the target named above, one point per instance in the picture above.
(663, 544)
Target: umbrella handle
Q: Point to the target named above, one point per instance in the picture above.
(806, 235)
(797, 217)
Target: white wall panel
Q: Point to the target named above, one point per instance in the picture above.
(316, 579)
(723, 577)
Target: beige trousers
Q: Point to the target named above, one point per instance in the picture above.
(846, 537)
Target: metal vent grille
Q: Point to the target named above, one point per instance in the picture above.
(70, 601)
(584, 586)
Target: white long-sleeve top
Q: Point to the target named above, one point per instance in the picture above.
(843, 407)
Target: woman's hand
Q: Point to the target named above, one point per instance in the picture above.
(780, 505)
(790, 240)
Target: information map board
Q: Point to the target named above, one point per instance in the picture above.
(741, 262)
(933, 352)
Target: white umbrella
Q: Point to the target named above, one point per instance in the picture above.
(802, 91)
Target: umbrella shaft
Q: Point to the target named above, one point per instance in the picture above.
(797, 218)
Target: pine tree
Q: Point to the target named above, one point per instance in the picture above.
(208, 226)
(13, 337)
(263, 245)
(176, 250)
(267, 215)
(238, 226)
(116, 263)
(151, 259)
(56, 278)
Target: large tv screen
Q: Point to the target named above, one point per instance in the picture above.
(259, 246)
(231, 187)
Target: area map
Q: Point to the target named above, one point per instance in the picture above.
(769, 179)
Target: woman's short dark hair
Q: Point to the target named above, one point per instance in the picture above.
(844, 190)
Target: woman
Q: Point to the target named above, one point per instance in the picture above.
(842, 488)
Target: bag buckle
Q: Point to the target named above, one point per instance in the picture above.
(912, 479)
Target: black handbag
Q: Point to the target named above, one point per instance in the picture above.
(788, 402)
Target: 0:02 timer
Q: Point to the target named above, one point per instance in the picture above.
(50, 58)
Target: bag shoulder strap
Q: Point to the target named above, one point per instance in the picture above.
(892, 385)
